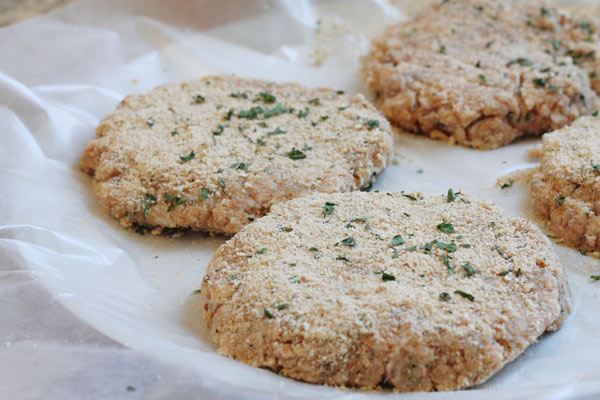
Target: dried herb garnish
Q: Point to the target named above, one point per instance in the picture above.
(446, 227)
(466, 295)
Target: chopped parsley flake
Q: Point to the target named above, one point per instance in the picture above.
(560, 201)
(277, 131)
(267, 97)
(302, 114)
(449, 247)
(328, 208)
(149, 201)
(451, 196)
(482, 78)
(442, 49)
(583, 252)
(187, 158)
(219, 129)
(540, 82)
(349, 242)
(408, 196)
(446, 227)
(372, 124)
(173, 201)
(240, 95)
(470, 271)
(282, 306)
(595, 277)
(596, 167)
(277, 110)
(204, 194)
(507, 185)
(387, 277)
(267, 313)
(397, 240)
(296, 154)
(174, 132)
(221, 182)
(241, 166)
(198, 99)
(445, 296)
(252, 113)
(466, 295)
(521, 61)
(342, 258)
(262, 251)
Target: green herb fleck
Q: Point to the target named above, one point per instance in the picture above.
(470, 271)
(521, 61)
(315, 101)
(445, 296)
(387, 277)
(442, 49)
(173, 201)
(282, 306)
(540, 82)
(240, 95)
(262, 251)
(241, 166)
(303, 114)
(349, 242)
(408, 196)
(583, 252)
(267, 313)
(372, 124)
(296, 154)
(446, 227)
(187, 158)
(466, 295)
(560, 201)
(328, 208)
(482, 78)
(204, 194)
(198, 99)
(219, 129)
(267, 97)
(277, 131)
(252, 113)
(277, 110)
(451, 196)
(595, 277)
(397, 240)
(449, 247)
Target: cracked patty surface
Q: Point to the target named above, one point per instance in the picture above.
(213, 154)
(482, 73)
(360, 289)
(566, 188)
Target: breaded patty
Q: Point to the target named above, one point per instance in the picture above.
(361, 289)
(566, 189)
(482, 73)
(213, 154)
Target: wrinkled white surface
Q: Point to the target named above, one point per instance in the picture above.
(88, 308)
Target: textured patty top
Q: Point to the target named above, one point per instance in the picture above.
(566, 187)
(359, 289)
(484, 72)
(215, 153)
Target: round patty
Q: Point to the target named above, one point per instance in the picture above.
(214, 154)
(482, 73)
(361, 289)
(565, 189)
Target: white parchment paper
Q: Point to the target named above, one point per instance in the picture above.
(90, 310)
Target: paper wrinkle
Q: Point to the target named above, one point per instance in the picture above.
(89, 308)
